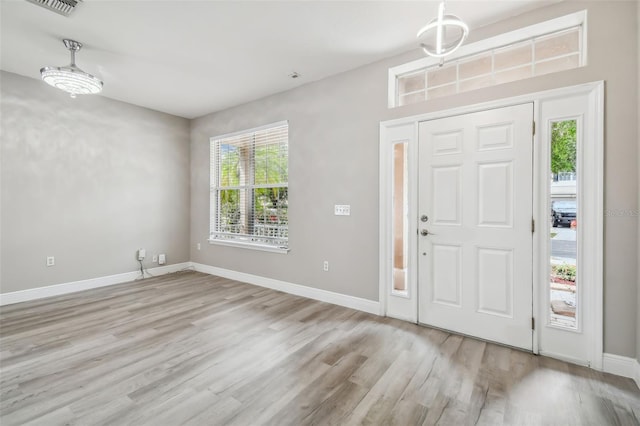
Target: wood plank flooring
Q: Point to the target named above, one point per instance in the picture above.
(190, 348)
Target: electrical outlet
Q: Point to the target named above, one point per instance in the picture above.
(198, 246)
(51, 261)
(162, 259)
(342, 210)
(142, 253)
(155, 258)
(325, 266)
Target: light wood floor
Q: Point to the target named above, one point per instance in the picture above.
(189, 348)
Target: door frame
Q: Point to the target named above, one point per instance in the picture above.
(406, 129)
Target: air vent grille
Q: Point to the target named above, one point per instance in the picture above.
(63, 7)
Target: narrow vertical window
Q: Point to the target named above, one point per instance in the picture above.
(249, 187)
(400, 222)
(564, 283)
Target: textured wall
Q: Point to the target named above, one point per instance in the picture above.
(87, 180)
(90, 180)
(334, 160)
(638, 170)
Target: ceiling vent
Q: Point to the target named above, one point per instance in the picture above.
(63, 7)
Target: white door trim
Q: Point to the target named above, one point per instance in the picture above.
(587, 107)
(394, 305)
(595, 90)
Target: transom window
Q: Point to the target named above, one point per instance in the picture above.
(545, 48)
(249, 188)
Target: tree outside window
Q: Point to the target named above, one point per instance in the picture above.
(563, 149)
(250, 187)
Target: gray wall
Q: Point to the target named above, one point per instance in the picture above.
(89, 181)
(638, 139)
(334, 160)
(333, 133)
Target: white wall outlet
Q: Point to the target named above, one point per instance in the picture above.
(51, 261)
(155, 258)
(142, 253)
(198, 246)
(342, 210)
(325, 266)
(162, 259)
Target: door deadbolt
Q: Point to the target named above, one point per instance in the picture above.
(424, 218)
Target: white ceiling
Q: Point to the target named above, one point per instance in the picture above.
(191, 58)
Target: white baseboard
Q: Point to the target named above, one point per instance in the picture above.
(352, 302)
(565, 358)
(72, 287)
(614, 364)
(621, 366)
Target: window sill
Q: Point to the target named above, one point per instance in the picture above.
(250, 246)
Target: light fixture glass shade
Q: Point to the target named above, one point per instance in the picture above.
(441, 48)
(70, 78)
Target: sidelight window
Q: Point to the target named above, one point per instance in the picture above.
(400, 195)
(564, 285)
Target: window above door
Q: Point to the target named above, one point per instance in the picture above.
(544, 48)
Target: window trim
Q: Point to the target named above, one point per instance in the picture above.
(240, 242)
(537, 30)
(248, 245)
(251, 130)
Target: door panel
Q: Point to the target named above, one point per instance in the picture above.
(447, 273)
(475, 251)
(495, 281)
(447, 195)
(495, 190)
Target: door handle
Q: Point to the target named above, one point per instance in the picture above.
(425, 232)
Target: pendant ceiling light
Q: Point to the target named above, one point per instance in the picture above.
(437, 29)
(72, 79)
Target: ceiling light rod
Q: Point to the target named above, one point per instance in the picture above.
(72, 79)
(73, 47)
(439, 25)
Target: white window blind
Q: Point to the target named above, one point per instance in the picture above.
(249, 187)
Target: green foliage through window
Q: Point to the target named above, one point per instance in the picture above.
(250, 187)
(563, 147)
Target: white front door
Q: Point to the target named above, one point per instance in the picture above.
(475, 223)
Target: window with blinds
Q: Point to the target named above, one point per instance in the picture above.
(249, 187)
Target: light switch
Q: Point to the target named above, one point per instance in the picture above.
(342, 210)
